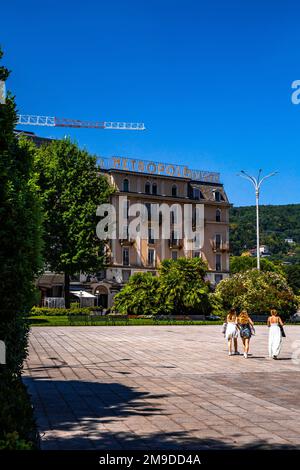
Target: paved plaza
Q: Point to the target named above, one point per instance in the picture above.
(161, 387)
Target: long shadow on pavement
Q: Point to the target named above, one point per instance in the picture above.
(83, 415)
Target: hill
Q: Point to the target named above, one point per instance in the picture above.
(277, 223)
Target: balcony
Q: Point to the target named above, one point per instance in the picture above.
(127, 241)
(219, 247)
(175, 243)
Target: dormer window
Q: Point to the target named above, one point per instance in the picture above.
(174, 190)
(126, 185)
(218, 196)
(197, 194)
(154, 188)
(147, 188)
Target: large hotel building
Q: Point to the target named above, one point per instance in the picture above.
(147, 182)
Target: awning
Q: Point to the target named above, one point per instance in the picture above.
(82, 294)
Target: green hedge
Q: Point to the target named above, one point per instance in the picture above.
(57, 312)
(17, 425)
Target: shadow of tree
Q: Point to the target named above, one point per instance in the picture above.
(83, 415)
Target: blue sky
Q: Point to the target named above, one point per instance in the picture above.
(210, 79)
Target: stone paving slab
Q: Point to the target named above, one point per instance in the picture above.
(161, 387)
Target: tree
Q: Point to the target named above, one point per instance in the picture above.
(277, 223)
(183, 289)
(180, 288)
(71, 188)
(244, 263)
(20, 234)
(292, 272)
(257, 292)
(139, 296)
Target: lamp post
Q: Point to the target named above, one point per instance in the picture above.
(257, 182)
(97, 294)
(80, 298)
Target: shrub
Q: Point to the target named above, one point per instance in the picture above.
(183, 289)
(138, 296)
(257, 292)
(56, 312)
(17, 425)
(180, 289)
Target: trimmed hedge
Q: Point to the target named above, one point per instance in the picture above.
(17, 425)
(58, 312)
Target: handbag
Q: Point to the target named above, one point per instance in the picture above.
(282, 331)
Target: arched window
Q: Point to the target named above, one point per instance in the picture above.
(126, 185)
(154, 188)
(174, 190)
(147, 188)
(218, 215)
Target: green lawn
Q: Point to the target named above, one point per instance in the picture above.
(64, 321)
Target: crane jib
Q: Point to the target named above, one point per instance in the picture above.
(53, 121)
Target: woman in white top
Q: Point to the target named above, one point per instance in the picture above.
(275, 335)
(231, 333)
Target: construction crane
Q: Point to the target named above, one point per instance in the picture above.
(52, 121)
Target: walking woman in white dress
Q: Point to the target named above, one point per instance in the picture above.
(275, 335)
(232, 332)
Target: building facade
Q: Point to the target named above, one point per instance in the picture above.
(151, 183)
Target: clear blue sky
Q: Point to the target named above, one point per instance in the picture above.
(210, 79)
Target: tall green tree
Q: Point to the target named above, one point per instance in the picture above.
(20, 234)
(71, 188)
(243, 263)
(139, 296)
(292, 272)
(182, 288)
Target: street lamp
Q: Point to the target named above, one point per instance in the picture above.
(80, 298)
(257, 182)
(97, 294)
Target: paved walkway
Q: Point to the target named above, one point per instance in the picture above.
(160, 387)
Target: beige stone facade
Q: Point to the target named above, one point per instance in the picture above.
(128, 256)
(156, 183)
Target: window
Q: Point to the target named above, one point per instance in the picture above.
(174, 254)
(174, 190)
(218, 215)
(101, 275)
(197, 194)
(126, 275)
(196, 254)
(148, 206)
(126, 185)
(218, 278)
(174, 236)
(147, 188)
(151, 257)
(218, 263)
(125, 257)
(174, 215)
(154, 188)
(125, 209)
(217, 196)
(218, 240)
(150, 239)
